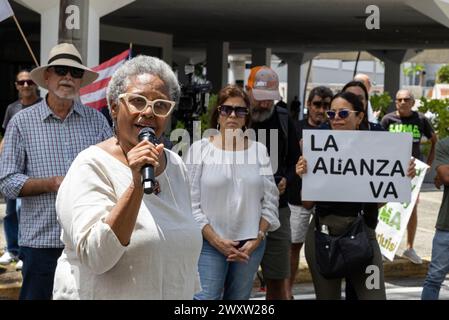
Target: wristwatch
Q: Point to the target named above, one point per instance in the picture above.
(261, 234)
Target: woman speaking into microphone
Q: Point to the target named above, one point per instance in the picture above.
(122, 242)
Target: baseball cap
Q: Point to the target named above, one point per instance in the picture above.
(264, 83)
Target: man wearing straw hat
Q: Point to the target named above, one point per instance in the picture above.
(40, 144)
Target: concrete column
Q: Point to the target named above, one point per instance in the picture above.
(260, 57)
(392, 76)
(392, 79)
(217, 64)
(237, 70)
(89, 27)
(297, 65)
(293, 80)
(74, 24)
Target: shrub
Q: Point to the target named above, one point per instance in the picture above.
(381, 102)
(443, 74)
(440, 111)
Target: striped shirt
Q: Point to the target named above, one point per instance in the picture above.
(38, 144)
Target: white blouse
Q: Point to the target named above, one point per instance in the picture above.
(161, 260)
(232, 190)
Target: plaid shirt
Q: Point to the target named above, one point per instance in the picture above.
(38, 144)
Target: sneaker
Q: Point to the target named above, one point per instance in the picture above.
(19, 265)
(7, 258)
(412, 256)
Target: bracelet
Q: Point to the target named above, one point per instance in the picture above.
(261, 234)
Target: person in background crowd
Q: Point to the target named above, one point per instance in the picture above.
(371, 115)
(295, 107)
(263, 89)
(404, 119)
(359, 89)
(234, 198)
(318, 103)
(439, 264)
(28, 96)
(40, 145)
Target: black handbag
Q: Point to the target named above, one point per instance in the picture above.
(340, 256)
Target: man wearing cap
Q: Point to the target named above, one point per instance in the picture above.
(27, 96)
(40, 145)
(263, 89)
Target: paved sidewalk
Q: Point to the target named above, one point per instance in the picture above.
(428, 207)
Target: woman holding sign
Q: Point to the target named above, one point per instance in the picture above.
(335, 219)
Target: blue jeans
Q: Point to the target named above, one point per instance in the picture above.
(38, 272)
(225, 280)
(439, 266)
(11, 226)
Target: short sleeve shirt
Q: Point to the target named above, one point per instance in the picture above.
(417, 124)
(442, 158)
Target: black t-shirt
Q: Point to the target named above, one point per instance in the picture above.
(303, 125)
(417, 124)
(293, 196)
(288, 152)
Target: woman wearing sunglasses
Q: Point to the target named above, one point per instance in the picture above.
(121, 243)
(234, 199)
(346, 113)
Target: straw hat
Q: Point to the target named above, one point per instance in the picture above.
(63, 54)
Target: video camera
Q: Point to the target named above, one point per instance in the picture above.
(193, 102)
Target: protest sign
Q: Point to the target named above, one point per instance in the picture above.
(393, 217)
(356, 166)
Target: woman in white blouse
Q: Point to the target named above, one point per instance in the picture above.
(234, 200)
(121, 243)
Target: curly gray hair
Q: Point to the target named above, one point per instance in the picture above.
(137, 66)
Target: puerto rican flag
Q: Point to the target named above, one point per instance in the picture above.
(94, 94)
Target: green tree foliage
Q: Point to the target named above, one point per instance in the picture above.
(440, 121)
(413, 69)
(381, 102)
(443, 74)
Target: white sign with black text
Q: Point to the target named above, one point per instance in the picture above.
(356, 166)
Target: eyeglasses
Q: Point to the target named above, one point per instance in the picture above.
(76, 73)
(28, 82)
(404, 99)
(342, 114)
(321, 104)
(138, 103)
(226, 111)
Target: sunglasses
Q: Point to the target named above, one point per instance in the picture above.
(404, 99)
(226, 111)
(342, 114)
(28, 82)
(137, 103)
(321, 104)
(62, 71)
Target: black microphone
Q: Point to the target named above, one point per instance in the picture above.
(147, 170)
